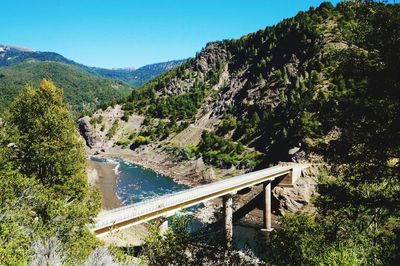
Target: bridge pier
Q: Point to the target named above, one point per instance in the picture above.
(228, 220)
(267, 214)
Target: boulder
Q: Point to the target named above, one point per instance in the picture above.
(297, 198)
(86, 131)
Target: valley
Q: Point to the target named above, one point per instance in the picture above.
(278, 147)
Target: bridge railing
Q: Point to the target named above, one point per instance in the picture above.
(238, 179)
(172, 199)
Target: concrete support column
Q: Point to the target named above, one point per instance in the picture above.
(228, 218)
(267, 207)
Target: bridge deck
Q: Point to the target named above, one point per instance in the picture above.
(166, 205)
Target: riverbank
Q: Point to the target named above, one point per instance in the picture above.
(104, 176)
(190, 173)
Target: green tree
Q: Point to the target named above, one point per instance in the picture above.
(168, 248)
(41, 145)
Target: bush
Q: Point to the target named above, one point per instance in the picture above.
(229, 123)
(139, 141)
(225, 153)
(96, 120)
(123, 143)
(113, 130)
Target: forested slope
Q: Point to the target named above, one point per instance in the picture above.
(272, 90)
(83, 92)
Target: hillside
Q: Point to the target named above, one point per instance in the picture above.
(10, 55)
(321, 88)
(263, 91)
(279, 94)
(83, 92)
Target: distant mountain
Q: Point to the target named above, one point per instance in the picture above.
(138, 77)
(83, 91)
(10, 55)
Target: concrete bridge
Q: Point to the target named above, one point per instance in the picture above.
(168, 205)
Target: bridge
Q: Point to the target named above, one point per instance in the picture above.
(168, 205)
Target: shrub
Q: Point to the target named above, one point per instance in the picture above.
(124, 143)
(113, 130)
(96, 120)
(139, 141)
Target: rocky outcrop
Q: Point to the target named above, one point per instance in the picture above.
(87, 133)
(297, 198)
(200, 70)
(209, 57)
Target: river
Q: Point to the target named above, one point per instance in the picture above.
(136, 184)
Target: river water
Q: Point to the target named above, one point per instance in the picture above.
(136, 184)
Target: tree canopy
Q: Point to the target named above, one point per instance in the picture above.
(43, 177)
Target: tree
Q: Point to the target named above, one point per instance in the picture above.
(40, 145)
(168, 248)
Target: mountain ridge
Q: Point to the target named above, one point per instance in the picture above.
(83, 91)
(10, 55)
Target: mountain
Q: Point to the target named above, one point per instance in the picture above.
(86, 88)
(10, 55)
(274, 95)
(261, 91)
(137, 77)
(321, 89)
(83, 91)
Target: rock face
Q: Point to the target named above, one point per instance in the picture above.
(209, 57)
(297, 198)
(87, 133)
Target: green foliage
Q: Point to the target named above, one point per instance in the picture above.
(305, 240)
(301, 238)
(95, 120)
(182, 153)
(43, 177)
(177, 107)
(225, 153)
(176, 247)
(124, 143)
(157, 129)
(167, 248)
(113, 130)
(16, 208)
(82, 91)
(183, 106)
(358, 221)
(229, 123)
(139, 141)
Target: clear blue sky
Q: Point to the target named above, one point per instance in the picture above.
(121, 33)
